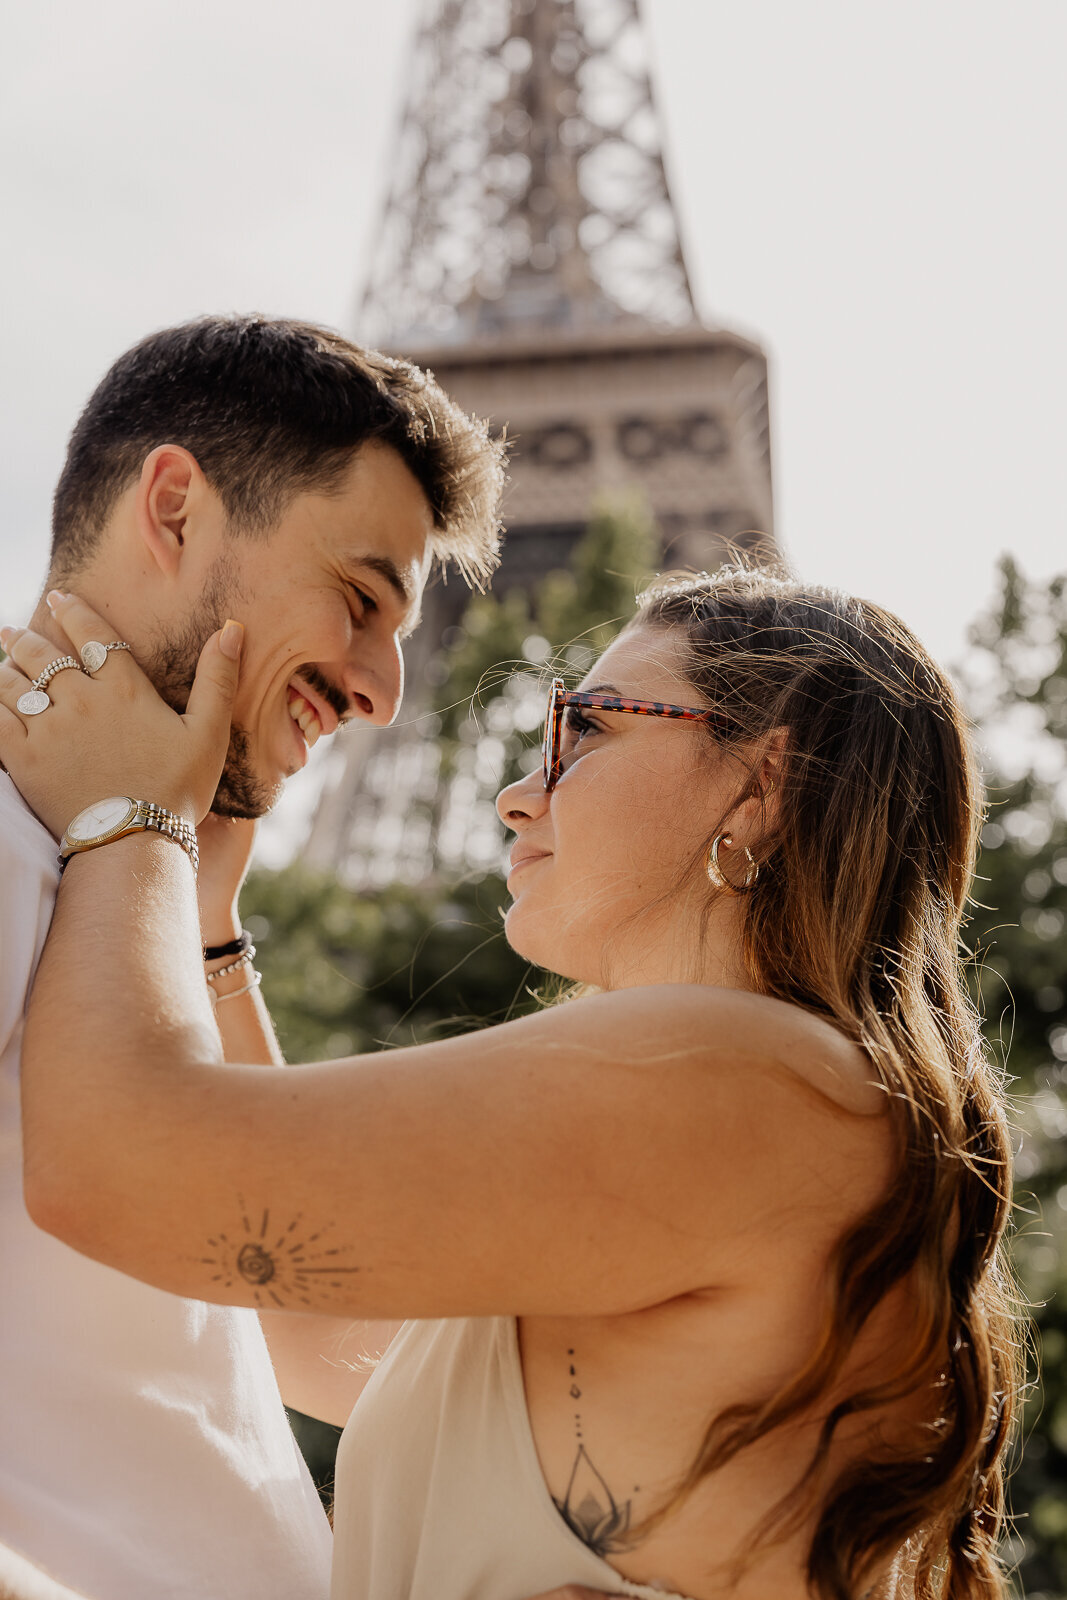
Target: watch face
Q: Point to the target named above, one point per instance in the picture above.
(101, 818)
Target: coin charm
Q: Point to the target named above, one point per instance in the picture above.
(93, 655)
(32, 703)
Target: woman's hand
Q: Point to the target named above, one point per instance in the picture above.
(110, 733)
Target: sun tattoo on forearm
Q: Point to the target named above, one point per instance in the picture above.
(589, 1508)
(281, 1265)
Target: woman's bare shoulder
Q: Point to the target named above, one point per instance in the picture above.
(732, 1029)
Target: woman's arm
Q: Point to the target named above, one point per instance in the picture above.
(242, 1018)
(598, 1157)
(595, 1158)
(322, 1363)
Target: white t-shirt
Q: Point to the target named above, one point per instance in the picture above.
(144, 1451)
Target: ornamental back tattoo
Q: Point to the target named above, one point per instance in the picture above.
(589, 1508)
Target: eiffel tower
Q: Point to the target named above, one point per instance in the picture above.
(530, 255)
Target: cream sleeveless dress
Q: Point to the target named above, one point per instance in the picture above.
(439, 1492)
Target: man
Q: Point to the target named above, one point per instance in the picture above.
(272, 470)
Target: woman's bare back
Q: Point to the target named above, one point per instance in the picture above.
(619, 1405)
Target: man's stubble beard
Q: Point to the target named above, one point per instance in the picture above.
(172, 668)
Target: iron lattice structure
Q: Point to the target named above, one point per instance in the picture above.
(528, 180)
(530, 256)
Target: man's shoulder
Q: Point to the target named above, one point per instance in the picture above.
(23, 838)
(29, 877)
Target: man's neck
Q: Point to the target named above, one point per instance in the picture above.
(97, 585)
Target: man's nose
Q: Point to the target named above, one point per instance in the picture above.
(374, 681)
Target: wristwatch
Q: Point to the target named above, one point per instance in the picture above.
(115, 818)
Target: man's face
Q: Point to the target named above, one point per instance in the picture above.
(326, 599)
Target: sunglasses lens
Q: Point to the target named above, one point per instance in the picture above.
(550, 748)
(548, 742)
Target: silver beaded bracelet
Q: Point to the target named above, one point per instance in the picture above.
(254, 983)
(244, 960)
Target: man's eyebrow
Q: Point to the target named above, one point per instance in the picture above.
(386, 568)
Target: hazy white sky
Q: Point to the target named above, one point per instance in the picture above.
(875, 191)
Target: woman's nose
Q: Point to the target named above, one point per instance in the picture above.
(523, 801)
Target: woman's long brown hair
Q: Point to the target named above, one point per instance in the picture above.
(857, 915)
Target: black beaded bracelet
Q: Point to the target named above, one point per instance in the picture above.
(233, 947)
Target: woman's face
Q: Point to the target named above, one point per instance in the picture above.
(607, 878)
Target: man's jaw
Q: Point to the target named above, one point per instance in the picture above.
(241, 791)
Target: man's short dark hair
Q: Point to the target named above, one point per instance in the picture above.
(271, 408)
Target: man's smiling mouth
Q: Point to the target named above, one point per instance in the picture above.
(309, 718)
(305, 718)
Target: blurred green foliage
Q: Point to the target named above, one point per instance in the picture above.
(492, 671)
(1016, 684)
(572, 616)
(346, 974)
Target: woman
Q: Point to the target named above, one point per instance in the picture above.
(709, 1258)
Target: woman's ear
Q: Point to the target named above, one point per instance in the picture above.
(755, 817)
(770, 767)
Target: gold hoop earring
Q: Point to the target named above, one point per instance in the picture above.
(719, 878)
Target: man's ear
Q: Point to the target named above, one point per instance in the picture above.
(170, 486)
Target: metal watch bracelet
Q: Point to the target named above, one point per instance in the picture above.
(173, 827)
(148, 815)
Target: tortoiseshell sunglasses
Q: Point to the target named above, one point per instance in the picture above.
(560, 697)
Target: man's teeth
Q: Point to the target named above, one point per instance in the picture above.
(306, 719)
